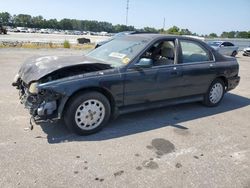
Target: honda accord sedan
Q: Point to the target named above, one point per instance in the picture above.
(127, 74)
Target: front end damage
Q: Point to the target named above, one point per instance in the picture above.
(44, 102)
(41, 103)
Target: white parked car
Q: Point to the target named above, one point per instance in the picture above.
(225, 48)
(246, 51)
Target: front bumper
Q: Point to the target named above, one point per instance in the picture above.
(233, 82)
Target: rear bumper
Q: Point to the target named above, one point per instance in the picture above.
(233, 82)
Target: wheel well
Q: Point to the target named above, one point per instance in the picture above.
(234, 52)
(223, 78)
(106, 93)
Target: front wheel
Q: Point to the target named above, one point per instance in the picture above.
(87, 113)
(215, 93)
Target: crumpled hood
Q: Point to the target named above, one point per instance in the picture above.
(38, 67)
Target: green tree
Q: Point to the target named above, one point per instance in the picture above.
(65, 24)
(150, 30)
(5, 18)
(120, 28)
(38, 21)
(174, 30)
(185, 32)
(212, 35)
(51, 23)
(24, 20)
(231, 34)
(242, 34)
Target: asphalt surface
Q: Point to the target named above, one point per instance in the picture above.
(187, 145)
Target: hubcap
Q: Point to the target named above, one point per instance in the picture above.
(89, 114)
(216, 93)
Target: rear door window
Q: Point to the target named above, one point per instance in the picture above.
(193, 52)
(228, 44)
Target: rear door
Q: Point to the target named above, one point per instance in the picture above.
(198, 67)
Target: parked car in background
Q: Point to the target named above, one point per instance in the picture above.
(22, 29)
(225, 48)
(246, 51)
(3, 30)
(127, 74)
(117, 35)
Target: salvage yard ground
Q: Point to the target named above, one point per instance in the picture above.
(188, 145)
(48, 38)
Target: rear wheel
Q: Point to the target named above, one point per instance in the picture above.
(215, 93)
(87, 113)
(234, 54)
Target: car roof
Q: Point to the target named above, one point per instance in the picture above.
(220, 41)
(151, 36)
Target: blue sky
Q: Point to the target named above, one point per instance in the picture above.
(200, 16)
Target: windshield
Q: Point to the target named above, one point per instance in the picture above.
(214, 43)
(119, 52)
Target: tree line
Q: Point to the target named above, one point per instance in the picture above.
(25, 20)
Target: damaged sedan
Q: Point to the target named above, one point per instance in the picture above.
(131, 73)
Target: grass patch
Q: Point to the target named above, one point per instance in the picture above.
(66, 44)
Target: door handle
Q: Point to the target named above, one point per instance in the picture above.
(175, 72)
(211, 66)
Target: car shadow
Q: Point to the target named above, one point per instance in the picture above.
(148, 120)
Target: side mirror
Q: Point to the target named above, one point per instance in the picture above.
(144, 63)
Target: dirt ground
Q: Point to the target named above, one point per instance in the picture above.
(187, 145)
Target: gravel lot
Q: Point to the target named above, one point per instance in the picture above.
(47, 38)
(187, 145)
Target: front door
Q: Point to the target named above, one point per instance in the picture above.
(161, 81)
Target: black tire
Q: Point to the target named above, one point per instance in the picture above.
(207, 98)
(75, 104)
(234, 54)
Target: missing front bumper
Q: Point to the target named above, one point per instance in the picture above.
(47, 108)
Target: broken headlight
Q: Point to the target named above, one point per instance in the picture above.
(33, 88)
(16, 78)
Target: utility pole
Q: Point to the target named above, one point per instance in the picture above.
(127, 8)
(163, 23)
